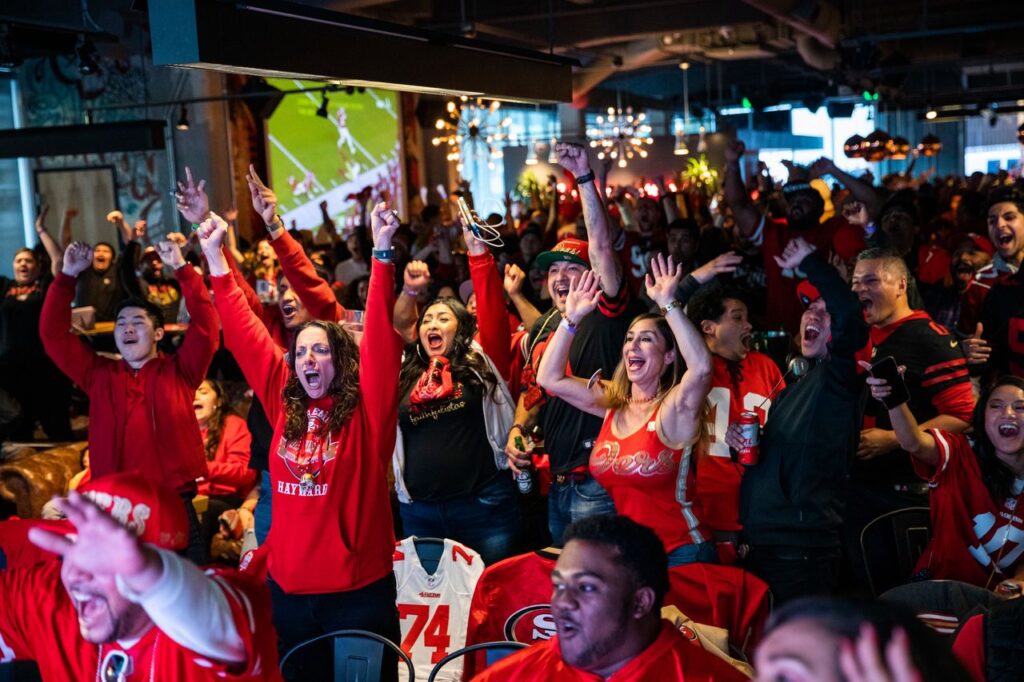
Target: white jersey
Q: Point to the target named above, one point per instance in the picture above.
(434, 608)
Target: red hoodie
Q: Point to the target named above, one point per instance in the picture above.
(229, 472)
(337, 535)
(169, 387)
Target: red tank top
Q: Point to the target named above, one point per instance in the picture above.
(649, 482)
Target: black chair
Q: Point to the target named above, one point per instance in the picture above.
(891, 544)
(943, 605)
(358, 655)
(495, 652)
(19, 671)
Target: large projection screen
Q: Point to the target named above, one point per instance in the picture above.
(315, 158)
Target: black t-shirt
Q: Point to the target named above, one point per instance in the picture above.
(262, 433)
(20, 308)
(101, 290)
(1002, 317)
(936, 379)
(447, 454)
(569, 433)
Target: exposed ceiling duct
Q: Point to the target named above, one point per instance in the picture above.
(816, 21)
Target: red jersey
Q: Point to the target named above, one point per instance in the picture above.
(17, 551)
(969, 647)
(649, 481)
(629, 247)
(735, 387)
(38, 622)
(772, 235)
(228, 473)
(670, 657)
(330, 492)
(973, 297)
(974, 539)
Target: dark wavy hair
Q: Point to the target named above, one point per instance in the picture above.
(215, 425)
(997, 477)
(467, 365)
(344, 388)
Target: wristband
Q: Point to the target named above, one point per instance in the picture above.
(384, 255)
(517, 425)
(673, 304)
(411, 293)
(275, 224)
(585, 178)
(567, 325)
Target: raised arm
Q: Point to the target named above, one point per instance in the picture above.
(380, 350)
(584, 293)
(600, 240)
(746, 215)
(67, 351)
(203, 336)
(860, 190)
(231, 216)
(679, 418)
(415, 278)
(491, 315)
(48, 242)
(245, 335)
(513, 283)
(312, 290)
(912, 438)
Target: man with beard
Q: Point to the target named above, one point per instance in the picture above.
(791, 501)
(142, 273)
(609, 584)
(804, 208)
(943, 298)
(122, 605)
(100, 285)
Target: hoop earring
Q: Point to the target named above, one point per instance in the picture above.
(419, 353)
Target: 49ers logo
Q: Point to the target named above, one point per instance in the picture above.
(530, 624)
(606, 456)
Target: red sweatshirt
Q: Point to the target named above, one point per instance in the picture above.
(229, 472)
(167, 383)
(312, 290)
(335, 535)
(491, 315)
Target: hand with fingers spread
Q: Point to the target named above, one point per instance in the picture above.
(77, 259)
(263, 198)
(663, 280)
(513, 281)
(383, 223)
(724, 264)
(584, 293)
(861, 660)
(416, 277)
(170, 254)
(193, 204)
(573, 158)
(102, 546)
(976, 349)
(796, 250)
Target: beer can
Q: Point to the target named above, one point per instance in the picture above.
(750, 432)
(524, 479)
(1008, 589)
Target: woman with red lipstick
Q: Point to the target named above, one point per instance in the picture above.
(976, 487)
(454, 416)
(334, 408)
(652, 410)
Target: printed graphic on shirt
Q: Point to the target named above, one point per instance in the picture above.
(306, 459)
(433, 409)
(530, 625)
(606, 456)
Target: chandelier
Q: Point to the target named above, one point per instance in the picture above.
(475, 130)
(620, 135)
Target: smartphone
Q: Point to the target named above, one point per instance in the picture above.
(887, 369)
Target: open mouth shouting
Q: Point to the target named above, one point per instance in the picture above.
(435, 342)
(1008, 429)
(314, 381)
(562, 289)
(635, 364)
(91, 608)
(288, 309)
(811, 333)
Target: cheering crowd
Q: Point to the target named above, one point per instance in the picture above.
(642, 379)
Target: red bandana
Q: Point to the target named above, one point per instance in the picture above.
(435, 383)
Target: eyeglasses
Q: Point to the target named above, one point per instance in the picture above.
(116, 666)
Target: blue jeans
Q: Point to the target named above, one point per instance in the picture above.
(701, 552)
(574, 500)
(487, 522)
(262, 513)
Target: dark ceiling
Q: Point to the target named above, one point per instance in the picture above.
(912, 52)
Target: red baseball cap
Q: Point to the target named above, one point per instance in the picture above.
(807, 293)
(152, 511)
(980, 243)
(571, 249)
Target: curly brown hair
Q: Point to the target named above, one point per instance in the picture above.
(344, 388)
(215, 424)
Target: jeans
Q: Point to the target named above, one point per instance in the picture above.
(701, 552)
(487, 523)
(298, 617)
(574, 500)
(793, 572)
(262, 513)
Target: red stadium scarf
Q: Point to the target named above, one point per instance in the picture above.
(435, 383)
